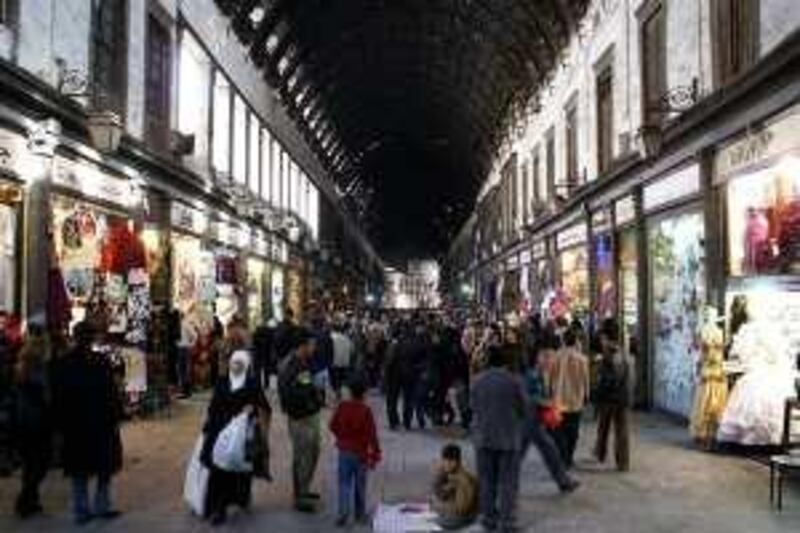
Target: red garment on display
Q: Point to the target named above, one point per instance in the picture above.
(122, 250)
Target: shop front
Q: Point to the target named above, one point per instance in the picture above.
(258, 274)
(296, 286)
(604, 302)
(542, 278)
(10, 204)
(511, 295)
(758, 178)
(676, 253)
(193, 266)
(99, 269)
(572, 295)
(627, 274)
(227, 240)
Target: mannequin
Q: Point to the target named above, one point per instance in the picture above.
(712, 387)
(754, 414)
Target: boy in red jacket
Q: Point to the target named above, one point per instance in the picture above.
(359, 450)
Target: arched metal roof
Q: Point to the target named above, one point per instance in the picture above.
(402, 96)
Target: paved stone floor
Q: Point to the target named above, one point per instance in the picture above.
(672, 488)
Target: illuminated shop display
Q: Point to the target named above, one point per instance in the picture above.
(764, 220)
(257, 278)
(677, 271)
(192, 274)
(628, 280)
(102, 262)
(574, 269)
(606, 296)
(8, 256)
(277, 293)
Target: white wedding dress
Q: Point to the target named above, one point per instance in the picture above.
(754, 414)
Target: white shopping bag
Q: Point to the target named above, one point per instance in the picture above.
(195, 484)
(230, 450)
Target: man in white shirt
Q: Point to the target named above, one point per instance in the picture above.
(342, 357)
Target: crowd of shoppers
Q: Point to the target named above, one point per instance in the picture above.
(509, 386)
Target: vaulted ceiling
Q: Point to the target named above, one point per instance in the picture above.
(405, 101)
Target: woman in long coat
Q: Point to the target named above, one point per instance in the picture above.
(238, 392)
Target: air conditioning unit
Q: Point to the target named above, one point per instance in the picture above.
(181, 144)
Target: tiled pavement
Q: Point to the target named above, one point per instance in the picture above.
(672, 488)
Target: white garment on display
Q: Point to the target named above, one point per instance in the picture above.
(754, 414)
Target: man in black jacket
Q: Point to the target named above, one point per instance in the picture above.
(88, 412)
(302, 402)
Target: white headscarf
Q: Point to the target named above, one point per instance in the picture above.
(237, 382)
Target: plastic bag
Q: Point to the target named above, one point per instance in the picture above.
(230, 449)
(195, 484)
(549, 416)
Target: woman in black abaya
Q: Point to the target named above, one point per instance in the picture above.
(236, 393)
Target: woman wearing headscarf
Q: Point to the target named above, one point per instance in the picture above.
(237, 393)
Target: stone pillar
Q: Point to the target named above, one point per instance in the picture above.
(38, 242)
(644, 373)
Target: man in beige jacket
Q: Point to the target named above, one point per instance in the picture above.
(571, 393)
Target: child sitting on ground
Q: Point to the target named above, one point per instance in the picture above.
(455, 491)
(357, 441)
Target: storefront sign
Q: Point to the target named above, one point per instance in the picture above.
(188, 218)
(571, 236)
(776, 139)
(625, 211)
(9, 193)
(13, 148)
(94, 183)
(681, 184)
(260, 243)
(512, 262)
(601, 221)
(525, 257)
(539, 250)
(280, 251)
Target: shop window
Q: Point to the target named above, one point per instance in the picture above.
(735, 37)
(536, 171)
(605, 119)
(313, 212)
(254, 168)
(550, 161)
(194, 99)
(285, 181)
(109, 51)
(677, 276)
(9, 12)
(571, 140)
(266, 164)
(221, 144)
(8, 234)
(525, 198)
(296, 190)
(764, 220)
(653, 21)
(157, 82)
(239, 140)
(275, 177)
